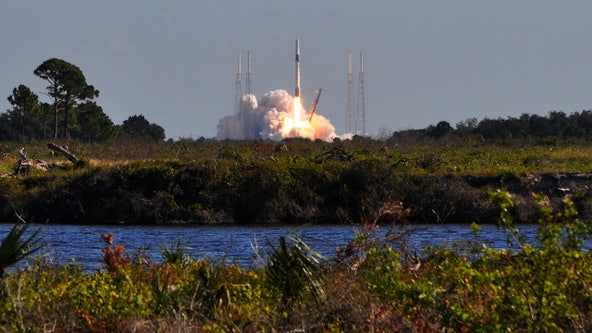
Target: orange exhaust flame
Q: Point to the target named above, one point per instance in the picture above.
(297, 109)
(294, 126)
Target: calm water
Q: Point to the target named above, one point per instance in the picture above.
(238, 244)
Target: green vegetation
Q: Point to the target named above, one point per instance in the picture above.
(293, 181)
(374, 284)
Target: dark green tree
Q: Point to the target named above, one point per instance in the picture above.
(67, 85)
(25, 105)
(466, 127)
(440, 130)
(94, 124)
(558, 121)
(539, 126)
(44, 116)
(7, 131)
(138, 127)
(584, 120)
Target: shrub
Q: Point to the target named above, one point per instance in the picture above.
(292, 268)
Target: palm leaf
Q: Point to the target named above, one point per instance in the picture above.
(15, 247)
(293, 267)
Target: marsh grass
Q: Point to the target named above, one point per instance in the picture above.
(438, 156)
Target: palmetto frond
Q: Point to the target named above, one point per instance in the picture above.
(15, 247)
(292, 267)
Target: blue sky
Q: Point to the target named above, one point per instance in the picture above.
(425, 61)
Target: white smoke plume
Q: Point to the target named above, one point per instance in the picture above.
(271, 118)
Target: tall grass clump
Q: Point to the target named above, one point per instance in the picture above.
(293, 271)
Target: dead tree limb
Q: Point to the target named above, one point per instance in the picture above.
(23, 155)
(64, 150)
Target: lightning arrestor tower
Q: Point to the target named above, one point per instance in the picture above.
(239, 87)
(248, 120)
(361, 106)
(249, 75)
(350, 120)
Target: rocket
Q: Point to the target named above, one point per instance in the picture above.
(297, 92)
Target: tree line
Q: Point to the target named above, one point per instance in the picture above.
(557, 124)
(70, 113)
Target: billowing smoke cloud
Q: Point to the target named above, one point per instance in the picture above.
(271, 118)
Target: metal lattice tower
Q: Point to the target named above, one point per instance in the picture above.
(249, 75)
(350, 116)
(361, 106)
(239, 87)
(248, 120)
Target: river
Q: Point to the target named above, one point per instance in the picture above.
(237, 244)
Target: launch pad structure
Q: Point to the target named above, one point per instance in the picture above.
(238, 87)
(356, 109)
(247, 121)
(361, 105)
(356, 118)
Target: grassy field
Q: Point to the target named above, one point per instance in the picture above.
(441, 156)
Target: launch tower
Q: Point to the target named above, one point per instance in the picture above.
(249, 75)
(248, 120)
(239, 87)
(350, 120)
(356, 118)
(361, 106)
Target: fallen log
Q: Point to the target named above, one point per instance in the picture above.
(64, 150)
(26, 165)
